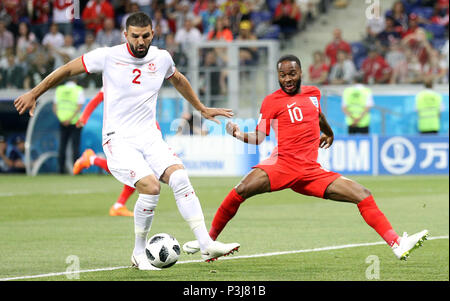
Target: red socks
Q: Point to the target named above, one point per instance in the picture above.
(125, 195)
(376, 219)
(226, 211)
(101, 162)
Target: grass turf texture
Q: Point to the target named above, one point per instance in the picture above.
(45, 219)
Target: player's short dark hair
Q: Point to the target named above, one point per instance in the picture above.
(138, 19)
(290, 58)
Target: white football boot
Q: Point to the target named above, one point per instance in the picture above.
(191, 247)
(141, 262)
(217, 249)
(409, 244)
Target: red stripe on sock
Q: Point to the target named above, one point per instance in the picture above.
(377, 220)
(226, 211)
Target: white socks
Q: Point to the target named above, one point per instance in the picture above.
(189, 206)
(143, 217)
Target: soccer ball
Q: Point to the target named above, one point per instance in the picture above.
(162, 250)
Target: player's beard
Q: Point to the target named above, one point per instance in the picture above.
(139, 54)
(294, 91)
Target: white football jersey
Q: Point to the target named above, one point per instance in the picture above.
(130, 87)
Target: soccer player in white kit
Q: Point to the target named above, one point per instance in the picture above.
(137, 155)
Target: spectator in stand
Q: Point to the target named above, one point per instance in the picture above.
(6, 39)
(145, 6)
(396, 58)
(344, 71)
(413, 25)
(67, 52)
(158, 18)
(318, 70)
(188, 35)
(398, 13)
(109, 35)
(11, 14)
(199, 5)
(159, 38)
(227, 7)
(24, 40)
(212, 77)
(180, 14)
(39, 16)
(4, 160)
(88, 45)
(16, 155)
(335, 45)
(440, 15)
(414, 69)
(11, 72)
(248, 56)
(40, 64)
(95, 13)
(178, 56)
(63, 15)
(209, 17)
(220, 31)
(375, 69)
(287, 15)
(418, 43)
(52, 41)
(130, 9)
(389, 34)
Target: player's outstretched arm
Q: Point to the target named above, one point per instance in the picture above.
(327, 136)
(180, 82)
(252, 138)
(27, 101)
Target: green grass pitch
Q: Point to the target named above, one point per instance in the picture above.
(47, 221)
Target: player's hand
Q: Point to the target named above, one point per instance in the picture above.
(325, 141)
(25, 102)
(232, 128)
(79, 124)
(210, 113)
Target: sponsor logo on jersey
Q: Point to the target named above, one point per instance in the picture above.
(314, 101)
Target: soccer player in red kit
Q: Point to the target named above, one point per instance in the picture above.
(295, 115)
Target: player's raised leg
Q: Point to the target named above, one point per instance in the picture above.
(255, 182)
(346, 190)
(190, 209)
(88, 159)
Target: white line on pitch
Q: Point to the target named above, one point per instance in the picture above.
(222, 258)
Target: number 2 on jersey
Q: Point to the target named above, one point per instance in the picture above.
(295, 114)
(135, 80)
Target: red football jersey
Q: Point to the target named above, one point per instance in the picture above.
(295, 120)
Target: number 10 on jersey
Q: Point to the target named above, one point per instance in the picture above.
(295, 114)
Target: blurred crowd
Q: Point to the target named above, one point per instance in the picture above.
(37, 36)
(407, 44)
(12, 154)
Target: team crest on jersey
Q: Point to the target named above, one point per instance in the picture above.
(314, 101)
(152, 67)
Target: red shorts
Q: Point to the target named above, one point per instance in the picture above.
(305, 177)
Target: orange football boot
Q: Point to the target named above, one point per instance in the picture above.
(121, 211)
(83, 162)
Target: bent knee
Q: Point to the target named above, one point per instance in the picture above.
(148, 185)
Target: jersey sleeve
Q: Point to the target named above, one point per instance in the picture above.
(265, 117)
(170, 66)
(94, 61)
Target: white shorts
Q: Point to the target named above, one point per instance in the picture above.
(131, 159)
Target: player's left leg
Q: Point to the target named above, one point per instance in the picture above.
(87, 159)
(190, 209)
(346, 190)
